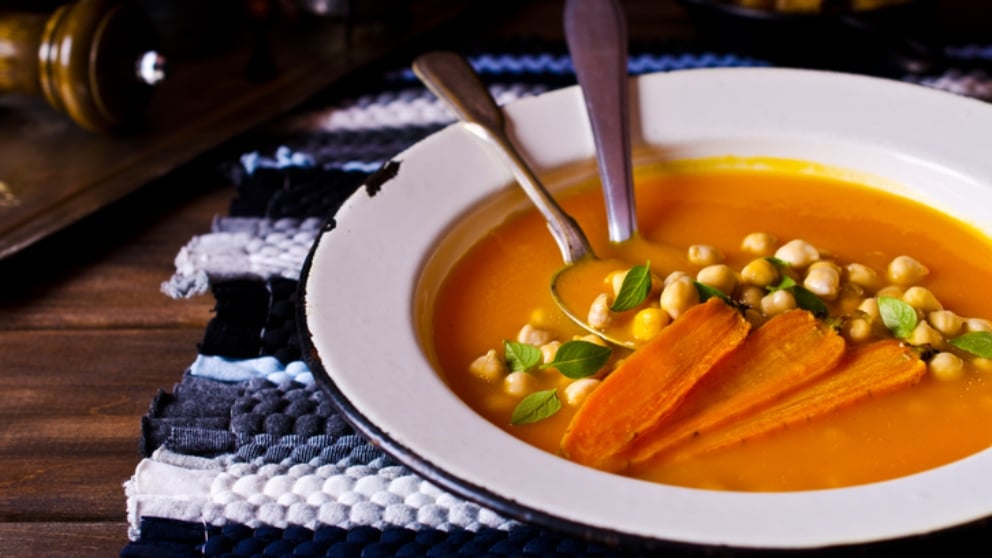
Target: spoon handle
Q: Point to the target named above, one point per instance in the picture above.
(452, 79)
(596, 33)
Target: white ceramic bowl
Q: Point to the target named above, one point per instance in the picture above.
(371, 279)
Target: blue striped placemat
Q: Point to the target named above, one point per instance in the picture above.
(244, 455)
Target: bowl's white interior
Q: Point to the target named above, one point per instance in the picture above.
(372, 279)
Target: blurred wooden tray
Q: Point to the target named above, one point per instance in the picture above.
(53, 173)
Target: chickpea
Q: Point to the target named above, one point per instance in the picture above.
(533, 336)
(870, 307)
(892, 291)
(489, 367)
(923, 334)
(615, 280)
(823, 280)
(857, 330)
(946, 322)
(751, 296)
(675, 276)
(549, 350)
(946, 366)
(760, 272)
(577, 391)
(704, 255)
(759, 244)
(718, 276)
(797, 253)
(922, 299)
(904, 270)
(862, 275)
(648, 322)
(977, 324)
(519, 384)
(679, 296)
(828, 264)
(599, 315)
(777, 302)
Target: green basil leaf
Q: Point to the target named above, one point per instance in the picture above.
(535, 407)
(707, 292)
(578, 359)
(786, 283)
(806, 300)
(777, 262)
(521, 356)
(978, 343)
(635, 288)
(900, 318)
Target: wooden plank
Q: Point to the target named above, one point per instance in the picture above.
(63, 540)
(70, 416)
(106, 271)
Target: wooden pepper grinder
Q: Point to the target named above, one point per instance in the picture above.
(93, 60)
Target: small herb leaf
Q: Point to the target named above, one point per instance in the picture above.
(806, 300)
(578, 359)
(535, 407)
(978, 343)
(899, 317)
(521, 356)
(707, 292)
(777, 262)
(635, 288)
(786, 283)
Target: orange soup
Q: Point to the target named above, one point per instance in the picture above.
(502, 284)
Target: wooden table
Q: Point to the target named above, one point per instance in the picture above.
(87, 338)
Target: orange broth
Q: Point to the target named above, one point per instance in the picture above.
(502, 283)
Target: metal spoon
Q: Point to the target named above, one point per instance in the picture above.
(452, 79)
(596, 32)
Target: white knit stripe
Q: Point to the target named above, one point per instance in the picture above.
(242, 370)
(220, 491)
(417, 106)
(242, 248)
(393, 109)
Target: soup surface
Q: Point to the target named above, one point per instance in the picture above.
(502, 283)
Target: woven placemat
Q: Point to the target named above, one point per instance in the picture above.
(245, 455)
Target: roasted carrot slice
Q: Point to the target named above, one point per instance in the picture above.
(786, 352)
(864, 372)
(651, 382)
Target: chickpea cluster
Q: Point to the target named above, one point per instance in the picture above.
(763, 287)
(849, 291)
(492, 368)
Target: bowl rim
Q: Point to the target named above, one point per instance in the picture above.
(327, 363)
